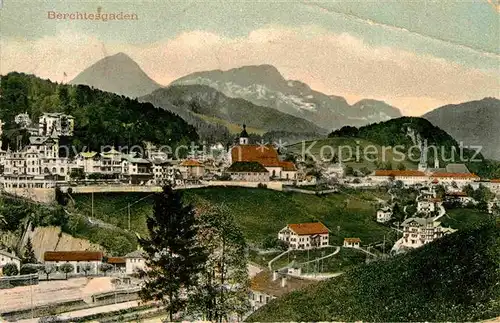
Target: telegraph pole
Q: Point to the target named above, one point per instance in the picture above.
(383, 248)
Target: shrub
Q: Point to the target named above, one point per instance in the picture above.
(29, 269)
(261, 185)
(10, 269)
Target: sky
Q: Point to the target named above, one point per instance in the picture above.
(416, 55)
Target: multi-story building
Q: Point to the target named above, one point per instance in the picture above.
(135, 169)
(304, 236)
(58, 124)
(248, 172)
(420, 231)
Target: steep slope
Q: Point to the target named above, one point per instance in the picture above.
(473, 123)
(264, 85)
(204, 100)
(452, 279)
(117, 74)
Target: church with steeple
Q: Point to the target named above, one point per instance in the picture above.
(259, 157)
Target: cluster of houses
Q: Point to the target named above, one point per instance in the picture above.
(38, 164)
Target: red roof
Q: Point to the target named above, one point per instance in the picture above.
(72, 256)
(308, 228)
(435, 181)
(288, 166)
(495, 180)
(267, 156)
(116, 260)
(190, 163)
(454, 175)
(352, 240)
(382, 172)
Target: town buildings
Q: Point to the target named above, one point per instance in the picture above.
(420, 231)
(305, 235)
(93, 259)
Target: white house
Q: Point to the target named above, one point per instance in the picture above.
(305, 235)
(384, 215)
(76, 258)
(58, 124)
(352, 242)
(134, 261)
(428, 205)
(420, 231)
(248, 172)
(7, 258)
(408, 177)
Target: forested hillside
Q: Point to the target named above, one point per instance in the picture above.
(101, 118)
(411, 131)
(452, 279)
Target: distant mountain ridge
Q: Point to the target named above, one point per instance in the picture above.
(204, 100)
(473, 123)
(265, 86)
(117, 74)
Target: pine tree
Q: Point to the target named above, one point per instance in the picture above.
(29, 254)
(173, 259)
(222, 292)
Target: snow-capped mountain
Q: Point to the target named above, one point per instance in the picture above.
(264, 85)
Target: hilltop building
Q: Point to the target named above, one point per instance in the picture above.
(56, 124)
(305, 236)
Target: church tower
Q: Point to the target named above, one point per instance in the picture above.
(244, 136)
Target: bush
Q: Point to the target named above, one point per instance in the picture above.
(10, 269)
(66, 269)
(261, 185)
(274, 243)
(29, 269)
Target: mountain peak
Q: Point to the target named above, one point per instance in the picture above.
(118, 74)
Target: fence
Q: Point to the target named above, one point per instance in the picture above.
(19, 280)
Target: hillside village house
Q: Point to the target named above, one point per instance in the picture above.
(7, 258)
(76, 258)
(248, 172)
(420, 231)
(266, 155)
(305, 236)
(460, 179)
(384, 215)
(266, 286)
(352, 243)
(134, 261)
(428, 205)
(118, 263)
(135, 169)
(408, 177)
(459, 197)
(191, 169)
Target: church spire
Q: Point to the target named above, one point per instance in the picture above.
(244, 136)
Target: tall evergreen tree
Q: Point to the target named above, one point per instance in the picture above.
(173, 258)
(29, 254)
(222, 292)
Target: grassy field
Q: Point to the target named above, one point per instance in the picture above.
(259, 212)
(357, 158)
(454, 278)
(463, 218)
